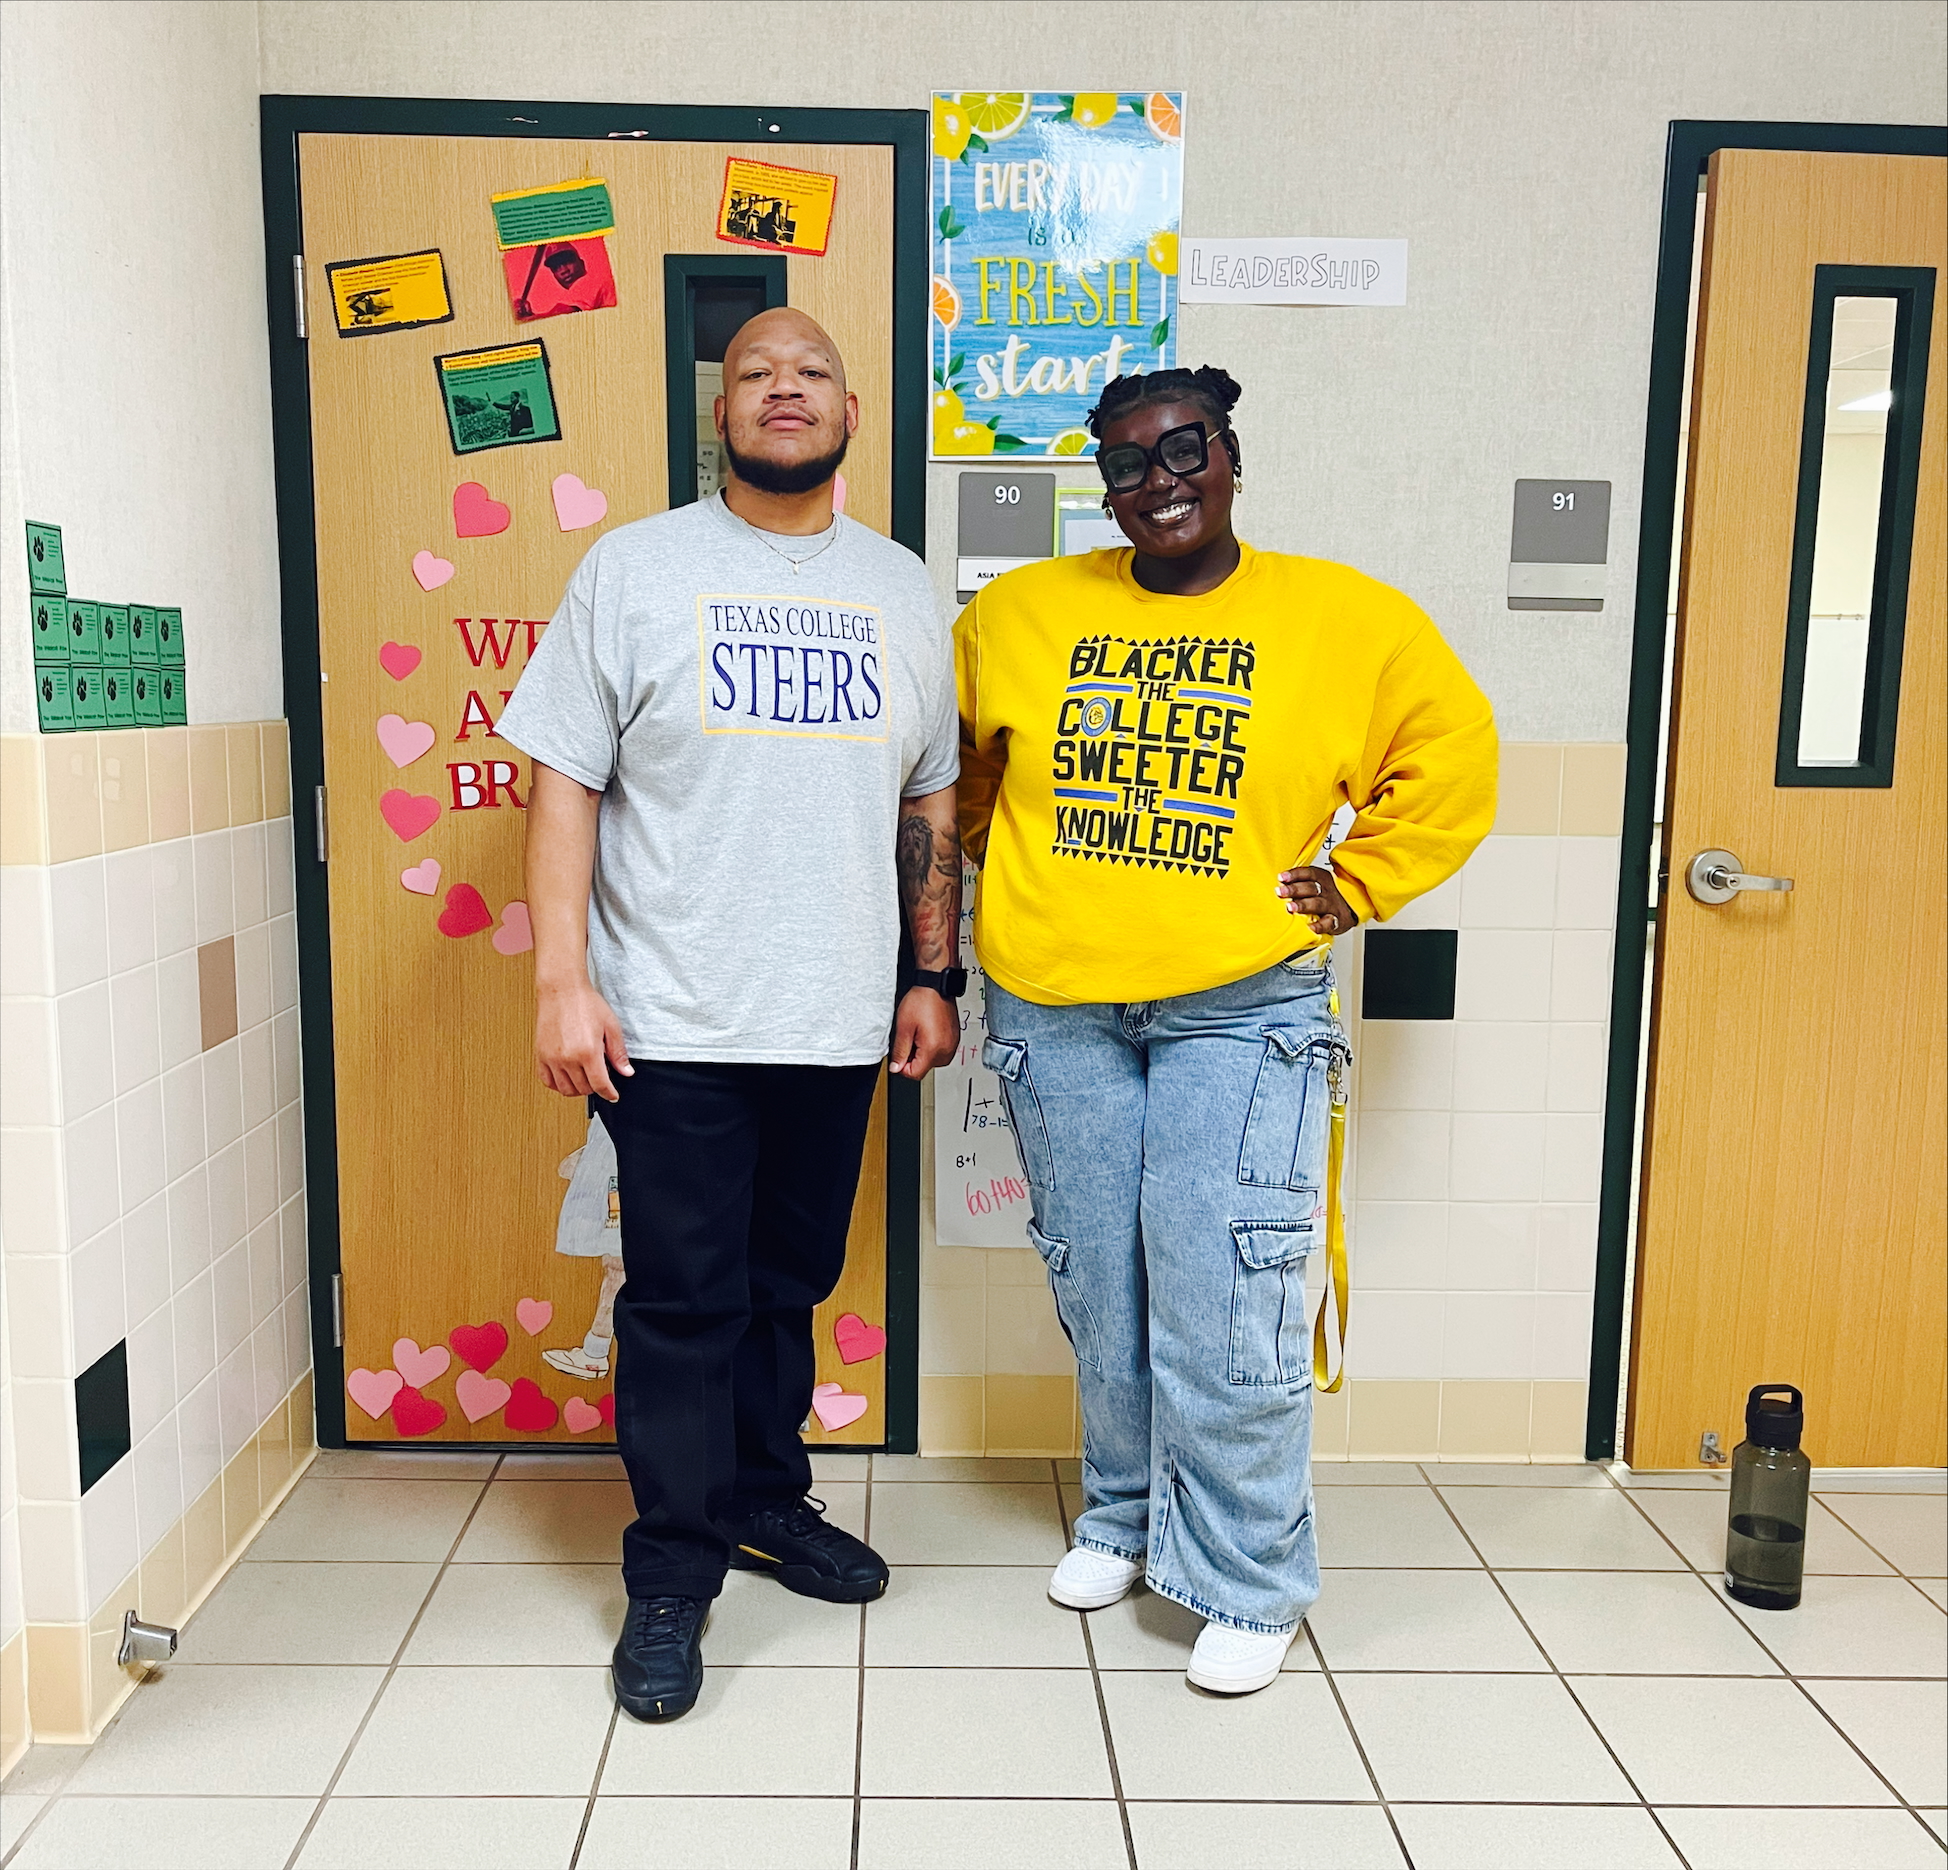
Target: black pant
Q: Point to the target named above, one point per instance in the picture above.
(736, 1185)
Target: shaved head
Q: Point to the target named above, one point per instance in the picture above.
(783, 326)
(785, 415)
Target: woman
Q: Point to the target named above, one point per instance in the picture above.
(1153, 745)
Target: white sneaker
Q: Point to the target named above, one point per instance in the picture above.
(1236, 1662)
(1088, 1580)
(577, 1363)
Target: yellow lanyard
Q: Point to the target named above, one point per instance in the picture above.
(1335, 1229)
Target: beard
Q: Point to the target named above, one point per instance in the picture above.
(784, 476)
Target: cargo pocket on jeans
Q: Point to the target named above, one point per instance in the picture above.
(1284, 1144)
(1268, 1335)
(1008, 1060)
(1071, 1308)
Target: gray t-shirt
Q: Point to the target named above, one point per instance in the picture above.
(753, 707)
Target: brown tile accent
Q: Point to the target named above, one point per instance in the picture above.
(242, 1501)
(1394, 1421)
(57, 1681)
(163, 1596)
(1531, 789)
(168, 753)
(216, 989)
(275, 749)
(304, 1434)
(1485, 1421)
(71, 767)
(209, 778)
(950, 1415)
(124, 792)
(246, 774)
(1030, 1415)
(1592, 790)
(1330, 1415)
(203, 1547)
(1557, 1416)
(23, 818)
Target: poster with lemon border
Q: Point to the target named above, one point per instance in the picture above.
(1055, 219)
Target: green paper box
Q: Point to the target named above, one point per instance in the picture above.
(148, 696)
(169, 638)
(54, 697)
(142, 636)
(90, 704)
(84, 630)
(115, 635)
(118, 696)
(47, 568)
(50, 629)
(175, 706)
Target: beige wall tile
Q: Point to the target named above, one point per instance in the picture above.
(275, 743)
(168, 760)
(1025, 1337)
(274, 1453)
(953, 1266)
(1015, 1266)
(14, 1729)
(1592, 790)
(242, 1502)
(108, 1682)
(1394, 1421)
(246, 773)
(304, 1432)
(162, 1593)
(1557, 1413)
(953, 1330)
(209, 778)
(23, 815)
(216, 989)
(71, 770)
(124, 791)
(1529, 803)
(1485, 1421)
(203, 1549)
(951, 1416)
(57, 1682)
(1028, 1415)
(1330, 1417)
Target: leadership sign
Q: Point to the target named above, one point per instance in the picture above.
(1054, 261)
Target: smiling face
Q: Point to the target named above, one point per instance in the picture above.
(785, 413)
(1169, 515)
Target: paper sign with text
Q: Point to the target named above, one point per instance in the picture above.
(1294, 272)
(788, 210)
(397, 293)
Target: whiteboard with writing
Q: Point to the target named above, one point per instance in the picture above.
(980, 1197)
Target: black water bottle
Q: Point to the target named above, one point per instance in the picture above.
(1765, 1545)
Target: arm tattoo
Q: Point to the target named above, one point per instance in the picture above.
(927, 859)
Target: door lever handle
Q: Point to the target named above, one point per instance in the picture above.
(1717, 876)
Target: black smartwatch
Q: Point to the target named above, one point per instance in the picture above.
(948, 982)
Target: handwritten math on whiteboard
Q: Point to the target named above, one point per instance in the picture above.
(980, 1196)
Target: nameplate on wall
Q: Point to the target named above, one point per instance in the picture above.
(1006, 521)
(1292, 271)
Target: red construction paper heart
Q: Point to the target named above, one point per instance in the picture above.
(414, 1414)
(398, 660)
(476, 513)
(606, 1405)
(857, 1340)
(528, 1410)
(465, 914)
(410, 814)
(483, 1346)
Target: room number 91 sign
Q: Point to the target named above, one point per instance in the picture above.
(1054, 261)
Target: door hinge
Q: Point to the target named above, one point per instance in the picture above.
(338, 1311)
(297, 293)
(320, 825)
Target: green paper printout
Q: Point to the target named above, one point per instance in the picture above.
(54, 698)
(175, 704)
(115, 634)
(50, 629)
(498, 397)
(84, 630)
(525, 217)
(148, 696)
(169, 638)
(142, 635)
(47, 568)
(90, 704)
(118, 696)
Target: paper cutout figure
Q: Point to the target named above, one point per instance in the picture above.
(476, 513)
(533, 1315)
(373, 1390)
(590, 1227)
(423, 878)
(398, 660)
(498, 397)
(787, 210)
(515, 934)
(466, 913)
(479, 1396)
(835, 1407)
(419, 1367)
(559, 277)
(577, 504)
(414, 1415)
(528, 1411)
(405, 741)
(400, 292)
(410, 814)
(580, 1416)
(482, 1346)
(430, 572)
(858, 1341)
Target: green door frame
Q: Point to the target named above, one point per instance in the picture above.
(282, 120)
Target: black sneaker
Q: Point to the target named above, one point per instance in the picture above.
(807, 1554)
(658, 1661)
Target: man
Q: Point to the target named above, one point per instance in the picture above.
(743, 723)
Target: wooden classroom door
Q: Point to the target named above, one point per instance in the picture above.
(437, 570)
(1792, 1224)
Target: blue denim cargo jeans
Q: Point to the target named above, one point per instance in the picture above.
(1175, 1152)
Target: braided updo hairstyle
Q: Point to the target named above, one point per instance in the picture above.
(1216, 390)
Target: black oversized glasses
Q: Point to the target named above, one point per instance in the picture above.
(1178, 451)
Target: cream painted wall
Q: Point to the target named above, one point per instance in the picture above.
(134, 369)
(1519, 148)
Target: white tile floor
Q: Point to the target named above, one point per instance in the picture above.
(1523, 1668)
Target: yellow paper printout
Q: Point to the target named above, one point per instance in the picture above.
(787, 210)
(397, 293)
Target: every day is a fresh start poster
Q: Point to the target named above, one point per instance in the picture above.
(1054, 261)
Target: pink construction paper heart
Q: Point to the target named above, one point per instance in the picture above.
(515, 934)
(423, 878)
(398, 660)
(410, 814)
(420, 1367)
(373, 1390)
(404, 740)
(480, 1396)
(466, 912)
(534, 1315)
(431, 572)
(835, 1407)
(857, 1340)
(577, 504)
(838, 493)
(580, 1416)
(476, 513)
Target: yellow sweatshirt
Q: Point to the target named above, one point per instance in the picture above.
(1138, 769)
